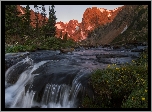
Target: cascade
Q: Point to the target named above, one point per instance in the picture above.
(19, 92)
(47, 79)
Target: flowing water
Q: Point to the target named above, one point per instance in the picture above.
(49, 79)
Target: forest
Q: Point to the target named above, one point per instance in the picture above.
(21, 35)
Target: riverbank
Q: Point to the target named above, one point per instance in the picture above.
(120, 87)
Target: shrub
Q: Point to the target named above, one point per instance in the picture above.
(138, 98)
(115, 86)
(31, 44)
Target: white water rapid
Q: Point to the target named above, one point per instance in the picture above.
(53, 96)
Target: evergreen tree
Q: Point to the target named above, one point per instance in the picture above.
(61, 34)
(89, 34)
(36, 20)
(50, 28)
(43, 13)
(65, 38)
(27, 20)
(12, 21)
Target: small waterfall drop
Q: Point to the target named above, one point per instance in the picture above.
(20, 93)
(15, 94)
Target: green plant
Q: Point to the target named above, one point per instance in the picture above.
(115, 86)
(137, 99)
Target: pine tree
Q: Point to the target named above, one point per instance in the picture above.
(60, 34)
(43, 13)
(12, 22)
(28, 20)
(50, 28)
(65, 38)
(36, 20)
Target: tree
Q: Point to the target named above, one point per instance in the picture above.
(27, 20)
(50, 27)
(12, 20)
(43, 13)
(60, 34)
(36, 20)
(65, 37)
(89, 34)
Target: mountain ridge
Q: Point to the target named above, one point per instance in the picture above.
(92, 18)
(125, 27)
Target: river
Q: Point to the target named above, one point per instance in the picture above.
(50, 79)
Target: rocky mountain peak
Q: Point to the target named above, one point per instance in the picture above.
(23, 11)
(130, 24)
(92, 18)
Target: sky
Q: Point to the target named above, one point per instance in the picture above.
(65, 13)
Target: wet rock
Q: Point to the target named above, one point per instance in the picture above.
(144, 43)
(137, 50)
(13, 74)
(106, 45)
(110, 56)
(67, 50)
(116, 47)
(36, 107)
(141, 43)
(113, 58)
(129, 46)
(13, 58)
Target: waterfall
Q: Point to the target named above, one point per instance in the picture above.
(15, 93)
(19, 93)
(57, 96)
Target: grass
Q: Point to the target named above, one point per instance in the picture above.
(50, 43)
(120, 87)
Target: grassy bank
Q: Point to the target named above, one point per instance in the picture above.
(50, 43)
(120, 87)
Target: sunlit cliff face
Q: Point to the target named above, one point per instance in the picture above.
(92, 18)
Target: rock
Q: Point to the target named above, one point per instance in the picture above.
(32, 16)
(110, 56)
(144, 43)
(67, 50)
(106, 45)
(13, 58)
(116, 47)
(129, 46)
(36, 107)
(137, 50)
(89, 22)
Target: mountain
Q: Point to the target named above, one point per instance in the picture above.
(92, 18)
(129, 25)
(22, 10)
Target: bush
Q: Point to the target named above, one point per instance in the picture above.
(138, 98)
(115, 86)
(16, 48)
(41, 43)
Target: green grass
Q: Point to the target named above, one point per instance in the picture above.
(50, 43)
(120, 87)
